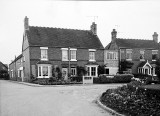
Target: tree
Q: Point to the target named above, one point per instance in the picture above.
(101, 69)
(124, 65)
(157, 69)
(81, 71)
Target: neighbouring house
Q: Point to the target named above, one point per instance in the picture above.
(3, 66)
(137, 55)
(3, 70)
(16, 69)
(46, 48)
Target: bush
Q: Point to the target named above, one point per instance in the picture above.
(76, 78)
(128, 102)
(96, 80)
(121, 78)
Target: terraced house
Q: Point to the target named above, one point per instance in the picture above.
(142, 54)
(46, 48)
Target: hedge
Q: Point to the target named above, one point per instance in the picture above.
(121, 78)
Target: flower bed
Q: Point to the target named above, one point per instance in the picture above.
(133, 101)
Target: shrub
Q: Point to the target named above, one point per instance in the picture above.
(121, 78)
(96, 80)
(76, 78)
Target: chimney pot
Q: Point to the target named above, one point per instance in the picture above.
(114, 35)
(26, 23)
(155, 37)
(94, 28)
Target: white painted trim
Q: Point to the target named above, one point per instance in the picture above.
(146, 64)
(73, 60)
(93, 50)
(73, 48)
(43, 47)
(64, 48)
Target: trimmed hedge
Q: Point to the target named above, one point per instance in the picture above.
(76, 78)
(121, 78)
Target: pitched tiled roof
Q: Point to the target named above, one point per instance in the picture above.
(136, 43)
(58, 37)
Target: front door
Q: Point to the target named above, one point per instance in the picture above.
(65, 73)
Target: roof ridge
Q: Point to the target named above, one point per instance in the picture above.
(61, 28)
(134, 39)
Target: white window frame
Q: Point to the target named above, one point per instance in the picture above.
(129, 51)
(63, 51)
(154, 53)
(92, 57)
(73, 71)
(73, 54)
(40, 66)
(111, 55)
(89, 70)
(142, 52)
(46, 53)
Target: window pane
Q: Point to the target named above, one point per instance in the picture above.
(39, 71)
(73, 54)
(93, 71)
(88, 71)
(91, 55)
(44, 54)
(45, 70)
(65, 55)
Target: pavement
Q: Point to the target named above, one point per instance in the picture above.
(27, 99)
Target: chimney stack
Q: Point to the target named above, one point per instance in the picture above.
(114, 35)
(26, 23)
(94, 28)
(155, 37)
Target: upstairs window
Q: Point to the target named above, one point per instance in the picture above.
(44, 53)
(154, 55)
(92, 54)
(112, 55)
(128, 54)
(142, 55)
(73, 54)
(64, 54)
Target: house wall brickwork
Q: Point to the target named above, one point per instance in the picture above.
(55, 58)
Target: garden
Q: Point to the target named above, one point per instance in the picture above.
(140, 97)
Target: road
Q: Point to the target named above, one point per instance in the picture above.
(76, 100)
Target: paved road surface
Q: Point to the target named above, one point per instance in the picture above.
(23, 100)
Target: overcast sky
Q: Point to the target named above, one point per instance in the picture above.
(132, 19)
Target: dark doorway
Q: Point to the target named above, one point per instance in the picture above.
(107, 71)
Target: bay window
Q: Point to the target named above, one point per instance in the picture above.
(44, 71)
(92, 70)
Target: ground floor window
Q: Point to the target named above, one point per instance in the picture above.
(44, 71)
(92, 70)
(73, 71)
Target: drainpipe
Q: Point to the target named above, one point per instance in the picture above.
(69, 59)
(119, 52)
(15, 69)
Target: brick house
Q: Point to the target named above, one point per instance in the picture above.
(3, 66)
(142, 53)
(16, 69)
(46, 48)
